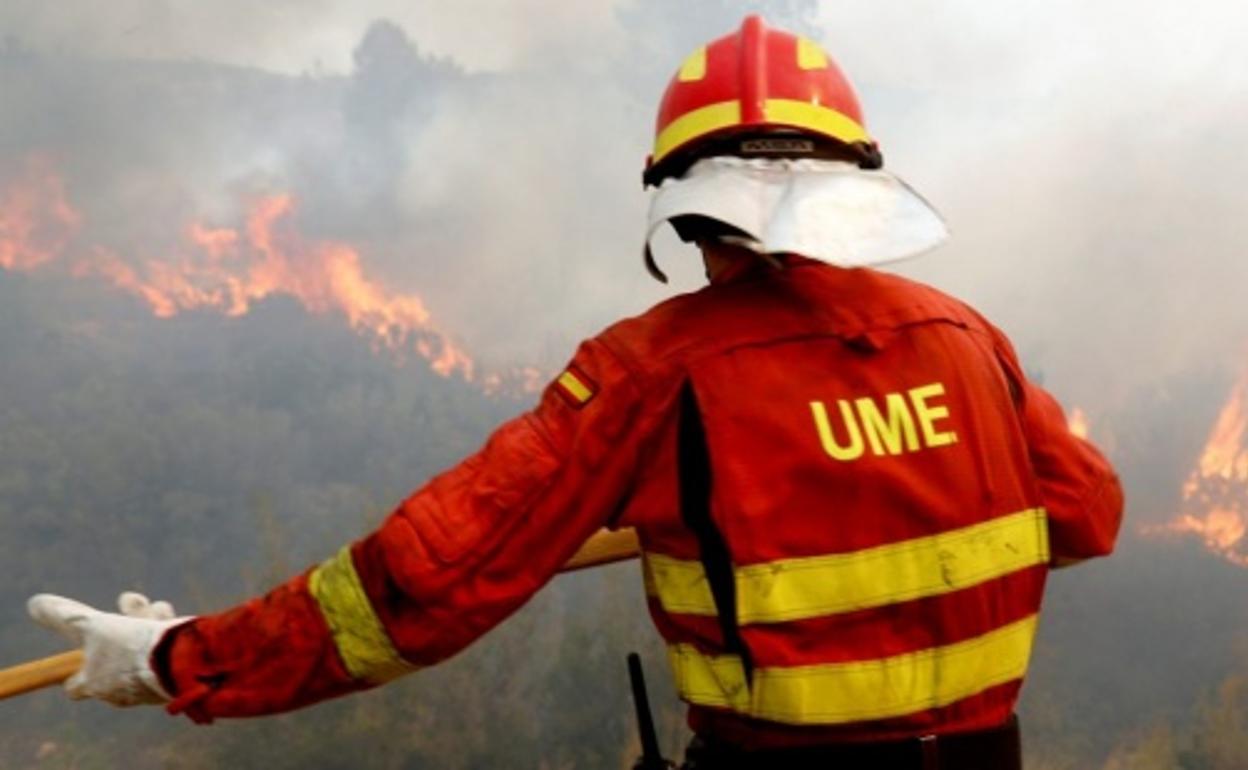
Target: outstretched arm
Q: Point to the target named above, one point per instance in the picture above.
(456, 558)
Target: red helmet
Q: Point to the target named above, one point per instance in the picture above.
(758, 92)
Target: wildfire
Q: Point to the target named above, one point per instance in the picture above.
(229, 270)
(1215, 495)
(36, 220)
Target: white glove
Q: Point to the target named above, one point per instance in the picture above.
(117, 647)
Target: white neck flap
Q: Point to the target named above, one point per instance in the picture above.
(831, 211)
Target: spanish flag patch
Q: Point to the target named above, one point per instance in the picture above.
(576, 387)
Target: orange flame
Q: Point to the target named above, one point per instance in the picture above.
(1225, 456)
(1078, 422)
(1222, 530)
(229, 270)
(36, 220)
(1215, 495)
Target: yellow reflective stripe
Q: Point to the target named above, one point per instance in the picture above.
(694, 124)
(789, 112)
(815, 117)
(792, 589)
(694, 67)
(837, 693)
(809, 55)
(362, 642)
(575, 387)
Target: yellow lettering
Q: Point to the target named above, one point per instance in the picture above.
(928, 414)
(853, 450)
(887, 434)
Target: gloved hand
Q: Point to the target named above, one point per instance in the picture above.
(117, 647)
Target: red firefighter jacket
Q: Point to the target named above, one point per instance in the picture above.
(847, 492)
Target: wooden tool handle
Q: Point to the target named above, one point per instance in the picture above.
(38, 674)
(603, 548)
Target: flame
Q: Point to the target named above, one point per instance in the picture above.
(229, 269)
(1222, 530)
(1078, 422)
(36, 220)
(1225, 456)
(1215, 495)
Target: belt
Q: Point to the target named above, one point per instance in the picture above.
(997, 748)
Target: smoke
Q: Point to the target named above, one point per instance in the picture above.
(1084, 155)
(487, 156)
(297, 37)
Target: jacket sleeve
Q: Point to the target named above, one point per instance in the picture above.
(1078, 486)
(456, 558)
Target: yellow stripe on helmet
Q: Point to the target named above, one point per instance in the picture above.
(362, 642)
(855, 691)
(816, 118)
(697, 123)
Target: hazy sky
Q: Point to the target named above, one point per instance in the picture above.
(1087, 155)
(297, 36)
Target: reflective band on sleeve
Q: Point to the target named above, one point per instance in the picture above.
(693, 124)
(817, 118)
(362, 642)
(793, 589)
(837, 693)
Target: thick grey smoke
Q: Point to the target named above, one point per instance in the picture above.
(298, 37)
(1085, 156)
(487, 157)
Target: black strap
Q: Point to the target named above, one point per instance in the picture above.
(694, 472)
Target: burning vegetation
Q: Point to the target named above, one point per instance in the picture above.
(36, 220)
(1216, 491)
(229, 270)
(1214, 505)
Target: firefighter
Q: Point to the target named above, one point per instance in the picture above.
(847, 492)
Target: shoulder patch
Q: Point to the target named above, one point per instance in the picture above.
(576, 387)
